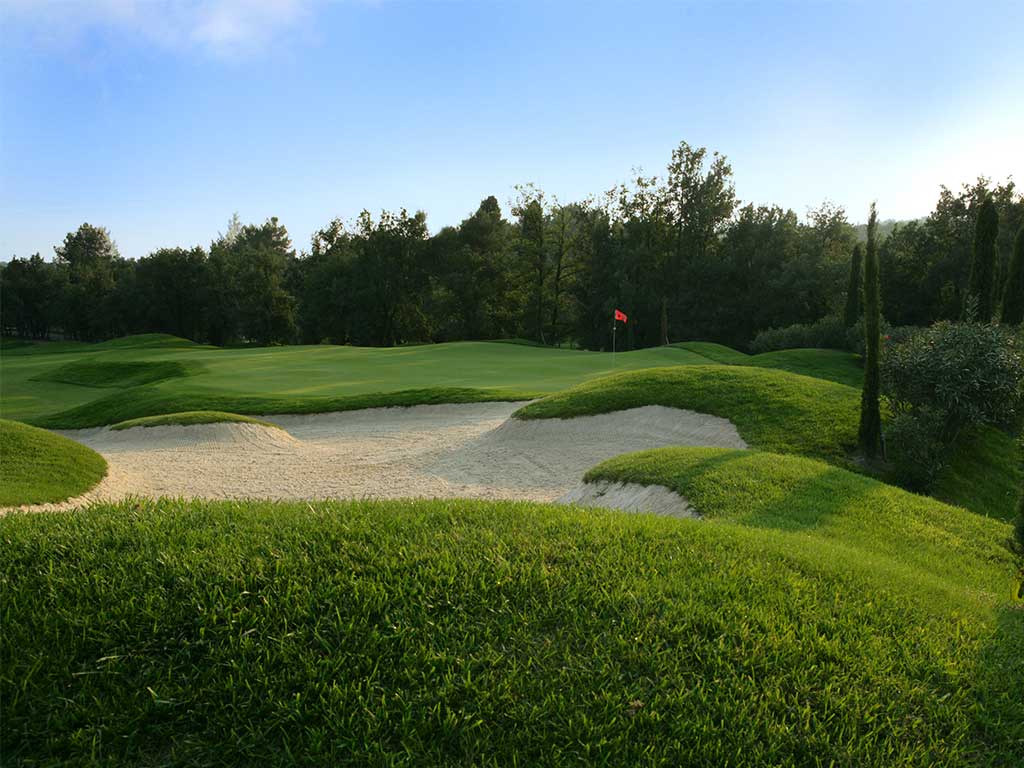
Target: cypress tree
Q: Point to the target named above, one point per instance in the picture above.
(980, 286)
(1013, 297)
(853, 296)
(870, 434)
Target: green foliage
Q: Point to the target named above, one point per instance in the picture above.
(171, 286)
(870, 430)
(773, 410)
(967, 373)
(981, 285)
(37, 466)
(247, 284)
(87, 266)
(818, 614)
(827, 333)
(97, 371)
(1013, 294)
(186, 418)
(852, 313)
(915, 448)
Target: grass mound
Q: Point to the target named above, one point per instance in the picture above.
(453, 632)
(773, 410)
(831, 364)
(186, 418)
(37, 466)
(145, 341)
(99, 372)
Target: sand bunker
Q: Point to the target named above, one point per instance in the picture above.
(467, 451)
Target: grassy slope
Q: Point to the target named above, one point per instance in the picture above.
(773, 410)
(37, 466)
(832, 364)
(983, 474)
(186, 418)
(873, 629)
(788, 413)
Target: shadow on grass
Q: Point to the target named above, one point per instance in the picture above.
(998, 710)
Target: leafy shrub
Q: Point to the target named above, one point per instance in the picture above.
(913, 442)
(827, 333)
(966, 373)
(891, 335)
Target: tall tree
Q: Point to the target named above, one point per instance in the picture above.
(1013, 294)
(698, 199)
(870, 433)
(31, 296)
(569, 237)
(88, 255)
(171, 285)
(980, 286)
(389, 286)
(530, 209)
(853, 293)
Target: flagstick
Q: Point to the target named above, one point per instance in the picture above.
(615, 325)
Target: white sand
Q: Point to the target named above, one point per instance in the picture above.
(442, 451)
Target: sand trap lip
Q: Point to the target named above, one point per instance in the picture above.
(471, 450)
(630, 497)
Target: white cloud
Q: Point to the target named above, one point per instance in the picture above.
(217, 27)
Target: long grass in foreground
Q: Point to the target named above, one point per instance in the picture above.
(455, 632)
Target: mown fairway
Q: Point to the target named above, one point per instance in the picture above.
(299, 372)
(39, 383)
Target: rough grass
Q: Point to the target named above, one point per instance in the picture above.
(872, 630)
(773, 410)
(99, 372)
(144, 402)
(37, 466)
(187, 418)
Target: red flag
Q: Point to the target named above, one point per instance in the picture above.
(620, 315)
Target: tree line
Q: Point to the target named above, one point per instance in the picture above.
(677, 252)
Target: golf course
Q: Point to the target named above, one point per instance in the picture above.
(847, 621)
(505, 385)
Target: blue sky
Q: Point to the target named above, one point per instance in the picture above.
(159, 120)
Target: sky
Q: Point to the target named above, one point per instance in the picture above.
(159, 120)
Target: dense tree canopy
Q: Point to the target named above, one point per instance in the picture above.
(678, 253)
